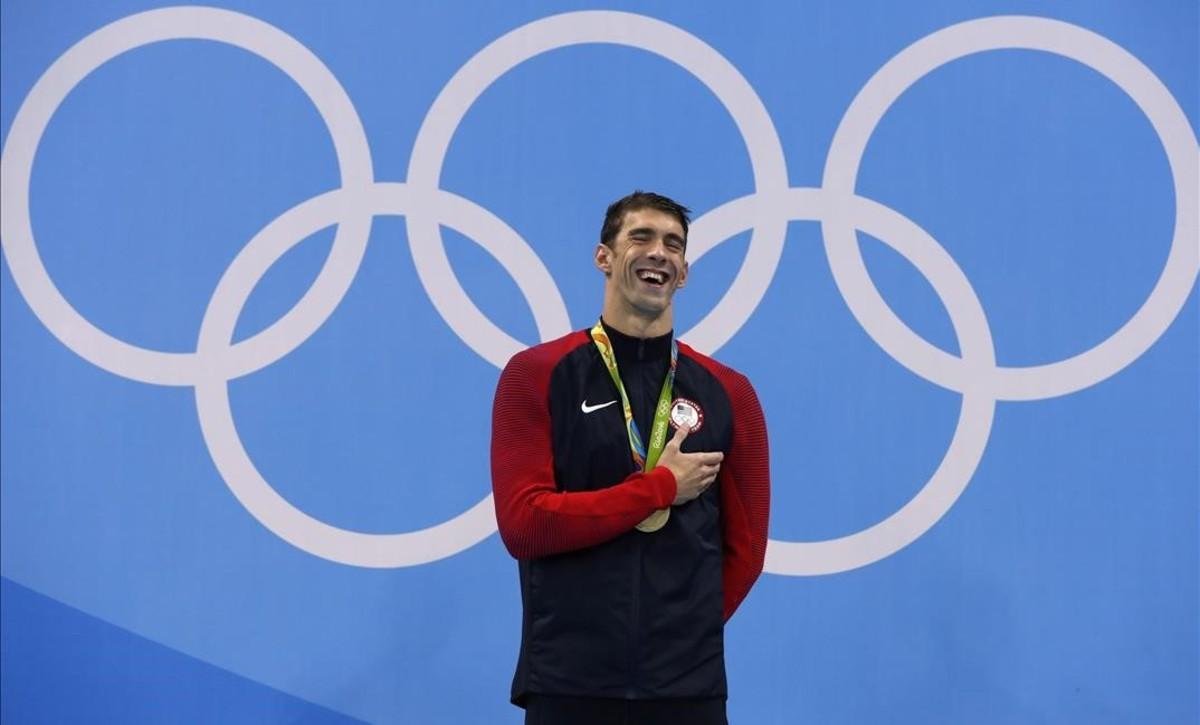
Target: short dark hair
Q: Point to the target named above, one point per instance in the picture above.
(615, 216)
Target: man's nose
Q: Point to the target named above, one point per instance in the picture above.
(658, 248)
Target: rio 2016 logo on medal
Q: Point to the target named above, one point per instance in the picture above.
(686, 414)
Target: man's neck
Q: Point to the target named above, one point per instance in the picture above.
(635, 325)
(631, 349)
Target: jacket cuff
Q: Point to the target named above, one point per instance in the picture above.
(664, 486)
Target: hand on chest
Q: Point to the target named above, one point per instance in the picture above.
(592, 445)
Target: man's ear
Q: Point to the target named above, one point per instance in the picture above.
(683, 275)
(603, 258)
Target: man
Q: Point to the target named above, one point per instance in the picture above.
(635, 544)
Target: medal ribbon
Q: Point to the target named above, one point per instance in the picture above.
(645, 459)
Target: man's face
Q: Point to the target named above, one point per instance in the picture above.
(645, 265)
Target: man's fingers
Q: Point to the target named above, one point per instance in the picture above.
(681, 432)
(707, 474)
(706, 481)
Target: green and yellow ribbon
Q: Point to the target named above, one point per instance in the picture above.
(645, 460)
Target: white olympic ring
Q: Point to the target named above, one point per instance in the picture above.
(561, 31)
(1052, 36)
(216, 333)
(766, 212)
(16, 165)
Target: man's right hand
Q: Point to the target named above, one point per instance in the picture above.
(694, 472)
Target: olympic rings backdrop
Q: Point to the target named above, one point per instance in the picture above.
(264, 261)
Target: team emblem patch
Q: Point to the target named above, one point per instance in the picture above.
(686, 414)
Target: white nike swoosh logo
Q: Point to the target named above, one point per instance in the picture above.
(591, 408)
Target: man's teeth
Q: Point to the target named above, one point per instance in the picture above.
(652, 276)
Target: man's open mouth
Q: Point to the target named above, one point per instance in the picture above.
(652, 276)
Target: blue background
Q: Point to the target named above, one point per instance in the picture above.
(1060, 588)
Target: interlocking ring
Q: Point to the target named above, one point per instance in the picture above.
(766, 212)
(16, 165)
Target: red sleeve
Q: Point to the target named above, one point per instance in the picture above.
(534, 517)
(745, 482)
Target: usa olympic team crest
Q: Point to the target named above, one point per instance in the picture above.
(687, 414)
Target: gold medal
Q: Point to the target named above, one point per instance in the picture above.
(655, 521)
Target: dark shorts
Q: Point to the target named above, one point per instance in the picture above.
(553, 710)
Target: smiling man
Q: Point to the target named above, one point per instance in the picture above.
(631, 484)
